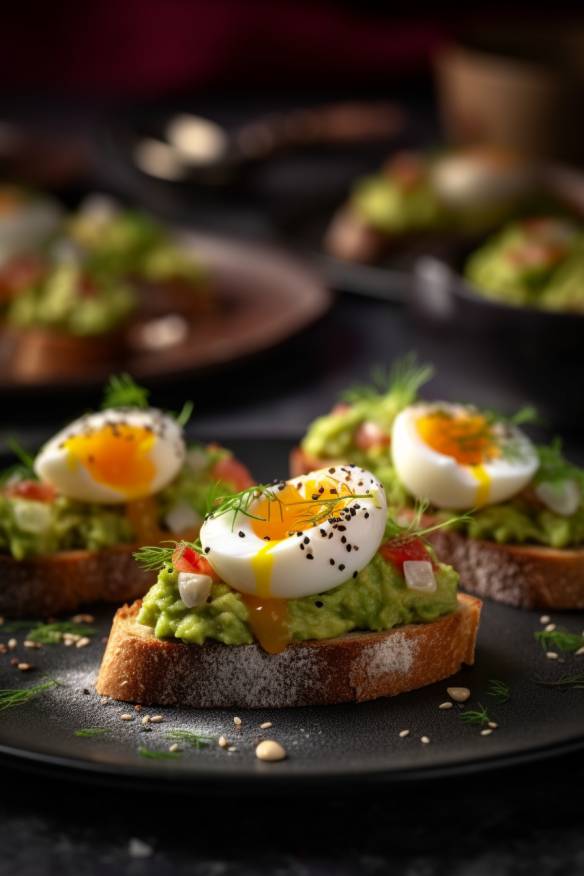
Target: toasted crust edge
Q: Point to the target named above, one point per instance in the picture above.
(45, 586)
(525, 576)
(139, 668)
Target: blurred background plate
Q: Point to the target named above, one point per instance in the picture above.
(263, 298)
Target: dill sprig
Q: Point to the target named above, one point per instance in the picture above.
(188, 737)
(9, 698)
(153, 754)
(154, 557)
(90, 732)
(24, 468)
(414, 529)
(554, 467)
(122, 391)
(565, 681)
(478, 716)
(53, 633)
(185, 414)
(402, 382)
(560, 640)
(499, 690)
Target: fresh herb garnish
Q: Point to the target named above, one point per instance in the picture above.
(566, 681)
(153, 754)
(560, 640)
(554, 467)
(52, 634)
(414, 527)
(193, 740)
(23, 469)
(89, 732)
(478, 716)
(9, 698)
(499, 690)
(401, 382)
(154, 557)
(15, 626)
(185, 414)
(122, 391)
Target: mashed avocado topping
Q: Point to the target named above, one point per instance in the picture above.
(358, 430)
(32, 527)
(395, 209)
(532, 263)
(378, 599)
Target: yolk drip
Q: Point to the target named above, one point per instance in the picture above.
(468, 438)
(116, 456)
(268, 619)
(483, 479)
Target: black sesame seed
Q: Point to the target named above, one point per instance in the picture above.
(344, 539)
(241, 534)
(301, 546)
(366, 515)
(334, 491)
(322, 532)
(267, 538)
(318, 604)
(309, 557)
(354, 574)
(298, 534)
(314, 497)
(342, 567)
(330, 535)
(332, 470)
(321, 490)
(349, 548)
(207, 549)
(306, 540)
(342, 528)
(332, 562)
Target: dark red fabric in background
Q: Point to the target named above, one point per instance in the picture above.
(149, 47)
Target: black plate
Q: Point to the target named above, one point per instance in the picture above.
(335, 744)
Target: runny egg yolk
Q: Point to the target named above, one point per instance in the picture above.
(116, 456)
(468, 438)
(277, 520)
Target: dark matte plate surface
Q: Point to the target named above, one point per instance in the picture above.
(263, 297)
(333, 744)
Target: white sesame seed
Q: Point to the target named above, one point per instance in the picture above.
(425, 740)
(270, 750)
(552, 655)
(83, 618)
(232, 748)
(550, 628)
(146, 720)
(486, 732)
(126, 717)
(222, 742)
(237, 721)
(446, 705)
(34, 646)
(579, 652)
(104, 700)
(174, 747)
(156, 719)
(83, 642)
(458, 694)
(266, 725)
(11, 644)
(404, 733)
(24, 667)
(544, 619)
(137, 848)
(493, 725)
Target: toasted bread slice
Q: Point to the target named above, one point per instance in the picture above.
(139, 668)
(45, 586)
(528, 576)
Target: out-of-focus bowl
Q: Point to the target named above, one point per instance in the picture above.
(520, 92)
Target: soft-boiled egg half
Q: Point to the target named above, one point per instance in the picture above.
(456, 457)
(113, 456)
(299, 537)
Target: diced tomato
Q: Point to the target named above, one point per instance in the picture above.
(370, 435)
(18, 274)
(33, 490)
(230, 471)
(87, 286)
(399, 550)
(186, 559)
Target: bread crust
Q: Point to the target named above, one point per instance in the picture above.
(139, 668)
(45, 586)
(525, 576)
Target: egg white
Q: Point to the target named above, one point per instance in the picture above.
(56, 466)
(312, 561)
(447, 483)
(475, 179)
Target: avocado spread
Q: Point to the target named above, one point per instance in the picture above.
(532, 263)
(32, 527)
(377, 599)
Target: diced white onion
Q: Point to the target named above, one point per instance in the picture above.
(561, 497)
(194, 589)
(419, 575)
(181, 518)
(32, 517)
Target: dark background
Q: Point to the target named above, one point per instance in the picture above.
(70, 74)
